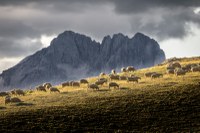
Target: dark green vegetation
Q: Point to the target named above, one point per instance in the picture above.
(168, 104)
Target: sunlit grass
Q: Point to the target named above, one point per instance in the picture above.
(141, 98)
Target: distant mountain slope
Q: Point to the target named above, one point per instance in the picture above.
(72, 56)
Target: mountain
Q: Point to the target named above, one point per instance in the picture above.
(71, 56)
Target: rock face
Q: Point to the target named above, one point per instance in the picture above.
(73, 56)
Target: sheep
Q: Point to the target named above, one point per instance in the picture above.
(122, 77)
(100, 82)
(175, 65)
(148, 74)
(93, 86)
(130, 69)
(156, 75)
(170, 67)
(104, 79)
(132, 75)
(8, 99)
(114, 77)
(187, 69)
(3, 94)
(102, 74)
(76, 84)
(65, 84)
(139, 78)
(113, 84)
(53, 89)
(179, 72)
(19, 92)
(132, 79)
(71, 83)
(12, 92)
(40, 88)
(123, 69)
(170, 71)
(47, 85)
(189, 66)
(195, 69)
(113, 72)
(84, 81)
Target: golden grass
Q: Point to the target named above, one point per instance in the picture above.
(141, 98)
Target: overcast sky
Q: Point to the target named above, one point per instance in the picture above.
(29, 25)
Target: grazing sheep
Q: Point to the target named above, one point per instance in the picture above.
(114, 77)
(104, 79)
(148, 74)
(65, 84)
(189, 66)
(71, 83)
(93, 86)
(156, 75)
(4, 94)
(170, 71)
(122, 77)
(76, 84)
(19, 92)
(113, 72)
(179, 72)
(132, 75)
(187, 69)
(130, 69)
(195, 69)
(47, 85)
(175, 65)
(12, 92)
(8, 99)
(123, 69)
(170, 67)
(132, 79)
(54, 89)
(102, 74)
(84, 81)
(40, 88)
(100, 82)
(15, 100)
(139, 78)
(113, 84)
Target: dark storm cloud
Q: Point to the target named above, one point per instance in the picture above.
(174, 14)
(22, 19)
(132, 6)
(16, 29)
(17, 48)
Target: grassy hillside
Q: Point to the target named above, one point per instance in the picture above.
(167, 104)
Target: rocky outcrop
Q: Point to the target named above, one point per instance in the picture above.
(73, 56)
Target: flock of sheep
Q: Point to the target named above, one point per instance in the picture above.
(177, 69)
(172, 68)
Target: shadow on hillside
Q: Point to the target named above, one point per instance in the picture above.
(142, 82)
(104, 90)
(169, 84)
(1, 108)
(64, 93)
(124, 88)
(23, 104)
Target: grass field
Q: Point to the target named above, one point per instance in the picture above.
(168, 104)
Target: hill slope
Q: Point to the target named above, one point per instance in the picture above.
(168, 104)
(73, 56)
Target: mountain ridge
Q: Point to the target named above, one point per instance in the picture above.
(71, 56)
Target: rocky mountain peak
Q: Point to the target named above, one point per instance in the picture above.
(71, 56)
